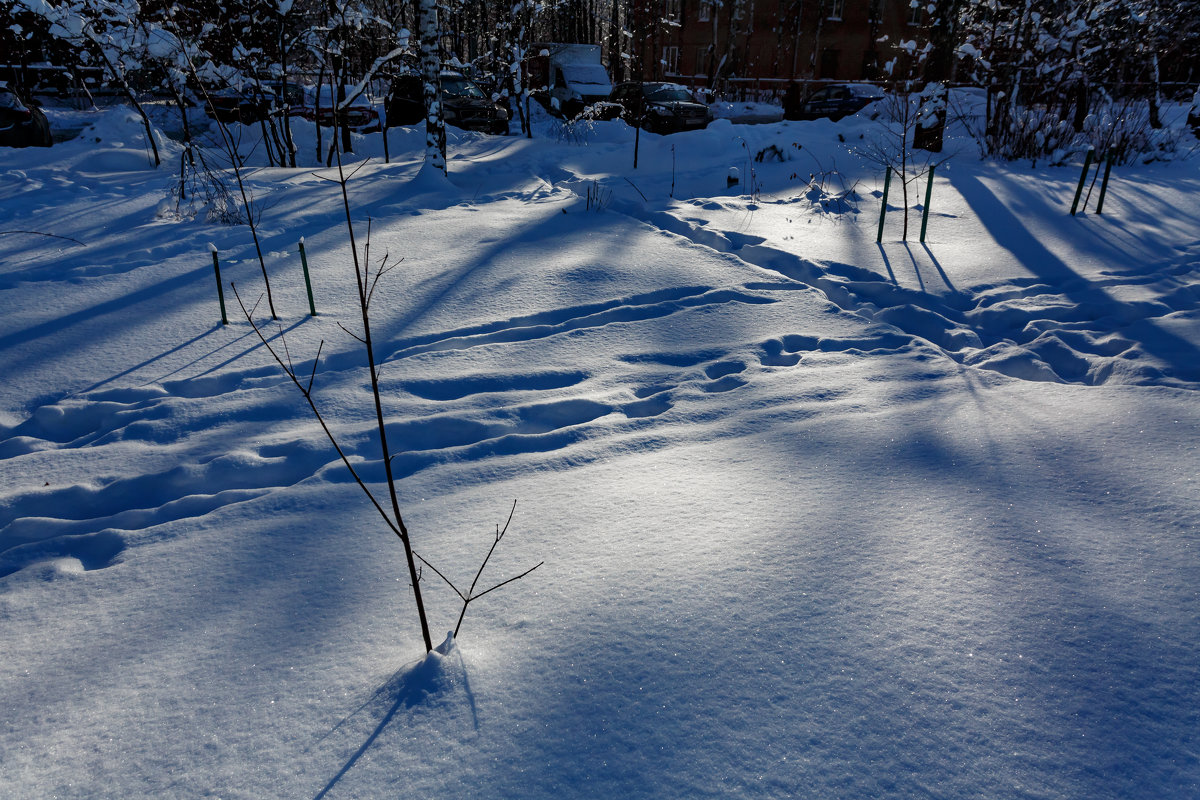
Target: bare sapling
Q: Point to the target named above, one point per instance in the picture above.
(904, 113)
(367, 279)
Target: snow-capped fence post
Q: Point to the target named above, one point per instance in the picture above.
(925, 210)
(887, 182)
(1108, 162)
(220, 291)
(312, 307)
(1087, 163)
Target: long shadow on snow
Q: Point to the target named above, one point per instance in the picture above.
(1105, 667)
(122, 408)
(551, 227)
(1009, 232)
(842, 603)
(123, 303)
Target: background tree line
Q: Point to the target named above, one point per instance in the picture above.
(1049, 67)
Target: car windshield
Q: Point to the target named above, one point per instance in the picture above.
(324, 94)
(865, 91)
(9, 101)
(458, 86)
(668, 94)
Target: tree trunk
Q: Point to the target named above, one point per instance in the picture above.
(1155, 93)
(939, 64)
(435, 124)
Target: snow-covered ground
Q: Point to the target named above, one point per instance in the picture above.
(820, 517)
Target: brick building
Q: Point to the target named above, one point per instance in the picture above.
(759, 46)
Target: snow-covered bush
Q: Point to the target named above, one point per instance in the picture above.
(1123, 129)
(1033, 132)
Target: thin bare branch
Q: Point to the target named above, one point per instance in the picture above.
(372, 366)
(511, 511)
(492, 549)
(321, 421)
(316, 361)
(256, 302)
(351, 333)
(39, 233)
(367, 251)
(635, 188)
(291, 370)
(384, 269)
(510, 580)
(354, 171)
(438, 572)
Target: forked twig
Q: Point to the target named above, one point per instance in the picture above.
(470, 595)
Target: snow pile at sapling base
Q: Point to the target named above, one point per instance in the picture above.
(821, 516)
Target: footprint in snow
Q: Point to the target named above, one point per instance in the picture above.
(723, 368)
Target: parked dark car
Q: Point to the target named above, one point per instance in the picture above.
(359, 116)
(238, 105)
(833, 101)
(256, 102)
(464, 104)
(660, 107)
(22, 123)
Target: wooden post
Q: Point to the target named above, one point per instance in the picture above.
(220, 291)
(887, 182)
(1108, 159)
(307, 281)
(1087, 162)
(925, 210)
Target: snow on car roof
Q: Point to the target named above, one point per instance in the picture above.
(865, 89)
(590, 74)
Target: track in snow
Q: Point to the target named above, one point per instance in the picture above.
(1134, 327)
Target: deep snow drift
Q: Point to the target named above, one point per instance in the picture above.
(820, 517)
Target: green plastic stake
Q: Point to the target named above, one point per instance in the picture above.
(1087, 162)
(925, 211)
(220, 291)
(312, 308)
(887, 182)
(1104, 182)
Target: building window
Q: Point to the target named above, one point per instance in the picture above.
(829, 64)
(673, 11)
(705, 12)
(870, 65)
(701, 69)
(670, 60)
(915, 13)
(836, 7)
